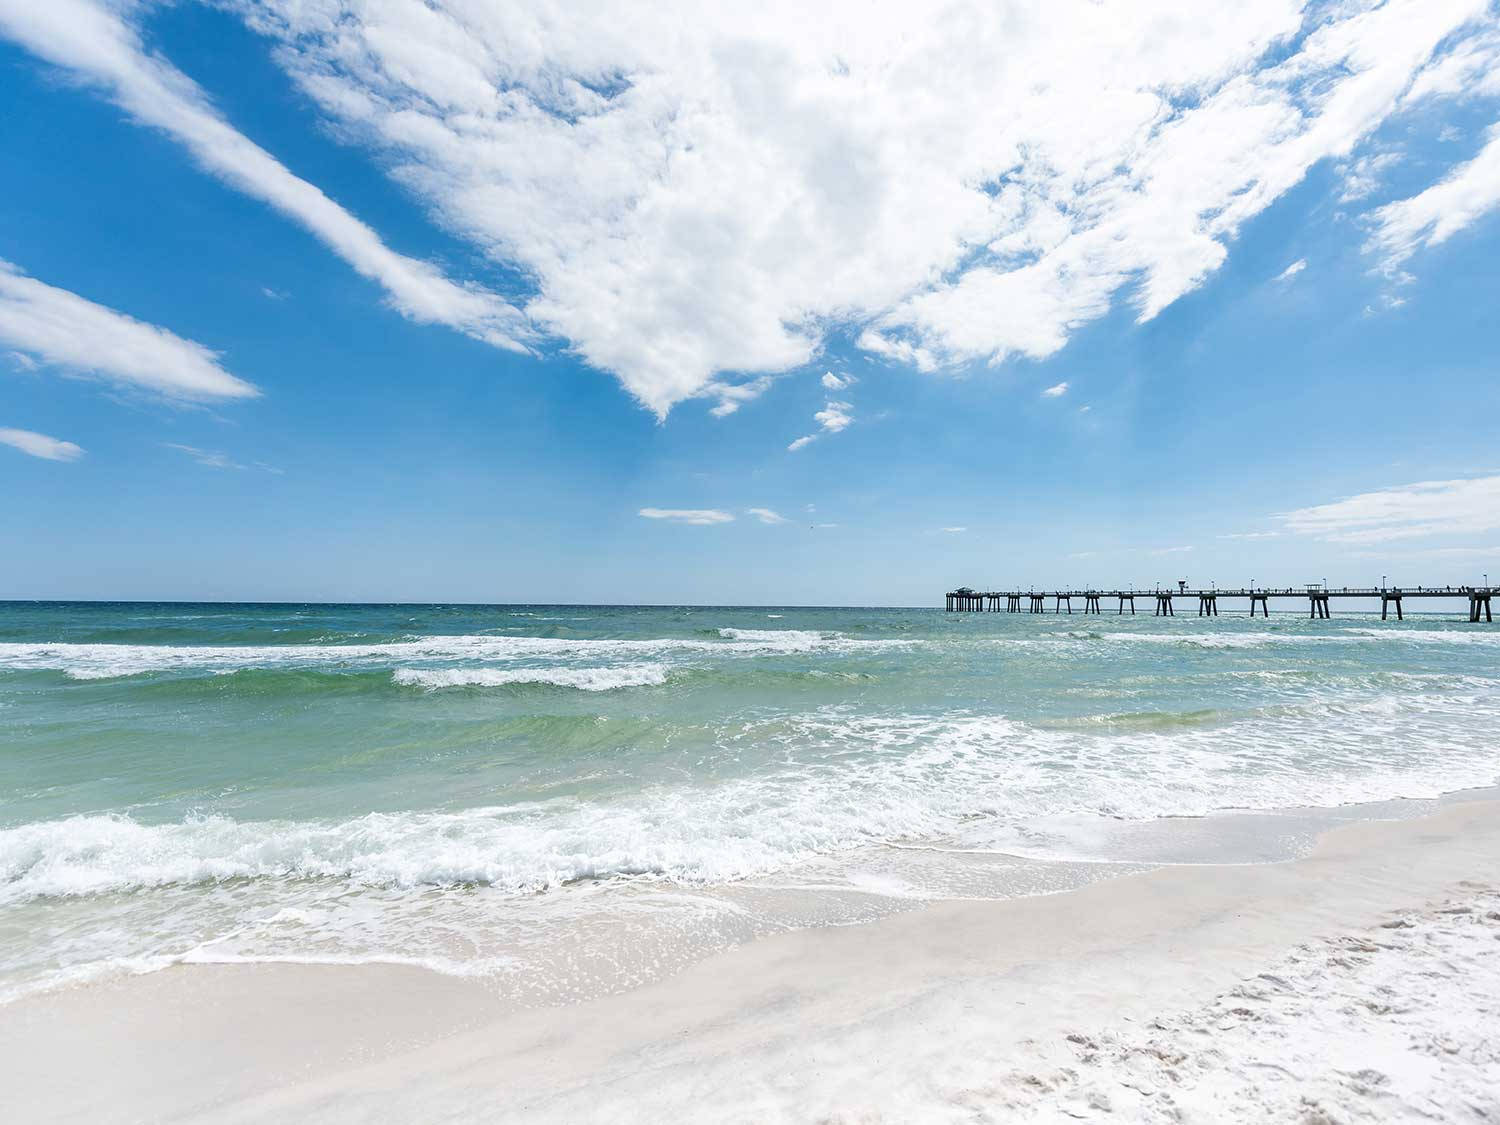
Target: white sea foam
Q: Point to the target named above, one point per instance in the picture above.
(101, 661)
(793, 640)
(584, 679)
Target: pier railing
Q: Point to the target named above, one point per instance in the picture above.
(1318, 597)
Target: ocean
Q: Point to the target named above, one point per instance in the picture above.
(564, 801)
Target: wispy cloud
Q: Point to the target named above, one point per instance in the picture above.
(208, 458)
(955, 530)
(838, 382)
(766, 515)
(1251, 535)
(1056, 391)
(65, 330)
(93, 41)
(1170, 550)
(1292, 270)
(1362, 176)
(890, 346)
(214, 459)
(1411, 511)
(801, 443)
(40, 445)
(1432, 217)
(701, 517)
(732, 396)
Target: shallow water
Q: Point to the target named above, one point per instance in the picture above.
(566, 800)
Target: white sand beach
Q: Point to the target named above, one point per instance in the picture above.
(1359, 983)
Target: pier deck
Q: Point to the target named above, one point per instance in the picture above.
(1317, 598)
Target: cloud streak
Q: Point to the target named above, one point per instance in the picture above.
(94, 43)
(1411, 511)
(767, 515)
(40, 445)
(1435, 215)
(65, 330)
(698, 517)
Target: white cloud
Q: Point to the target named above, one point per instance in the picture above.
(704, 190)
(1469, 69)
(1171, 550)
(1292, 270)
(1471, 191)
(63, 329)
(20, 360)
(897, 349)
(766, 515)
(1251, 535)
(1056, 391)
(1411, 511)
(1362, 176)
(697, 197)
(40, 445)
(838, 383)
(92, 40)
(732, 396)
(955, 530)
(835, 416)
(701, 517)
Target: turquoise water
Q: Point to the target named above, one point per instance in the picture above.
(561, 799)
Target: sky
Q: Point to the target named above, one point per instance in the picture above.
(443, 300)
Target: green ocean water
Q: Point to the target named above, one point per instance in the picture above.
(559, 798)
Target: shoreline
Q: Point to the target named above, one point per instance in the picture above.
(899, 1016)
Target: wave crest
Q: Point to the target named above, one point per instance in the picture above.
(583, 679)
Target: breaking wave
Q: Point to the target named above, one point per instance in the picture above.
(584, 679)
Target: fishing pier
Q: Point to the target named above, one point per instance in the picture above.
(1316, 597)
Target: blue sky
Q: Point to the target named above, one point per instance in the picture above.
(388, 301)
